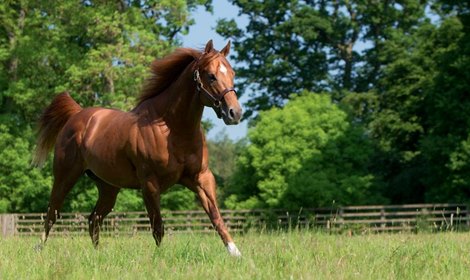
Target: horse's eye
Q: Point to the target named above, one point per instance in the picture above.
(212, 78)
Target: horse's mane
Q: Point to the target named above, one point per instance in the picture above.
(166, 70)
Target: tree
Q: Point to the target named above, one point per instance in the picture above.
(333, 46)
(223, 152)
(399, 67)
(305, 155)
(98, 50)
(22, 188)
(422, 121)
(397, 120)
(445, 145)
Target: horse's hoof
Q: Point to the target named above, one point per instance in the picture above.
(233, 250)
(38, 247)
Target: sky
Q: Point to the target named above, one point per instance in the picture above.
(199, 34)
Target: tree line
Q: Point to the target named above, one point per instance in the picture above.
(350, 102)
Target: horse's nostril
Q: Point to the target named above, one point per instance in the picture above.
(231, 113)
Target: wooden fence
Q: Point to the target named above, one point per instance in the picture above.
(391, 218)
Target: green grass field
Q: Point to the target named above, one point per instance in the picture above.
(294, 255)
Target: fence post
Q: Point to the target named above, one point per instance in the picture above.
(341, 218)
(467, 216)
(8, 224)
(382, 218)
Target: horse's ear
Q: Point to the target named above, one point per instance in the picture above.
(209, 46)
(226, 49)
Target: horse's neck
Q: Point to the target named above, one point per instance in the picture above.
(178, 106)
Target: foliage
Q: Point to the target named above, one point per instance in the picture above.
(98, 50)
(305, 155)
(223, 153)
(30, 191)
(448, 113)
(395, 127)
(423, 121)
(289, 46)
(400, 68)
(180, 198)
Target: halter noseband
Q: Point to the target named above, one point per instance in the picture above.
(216, 100)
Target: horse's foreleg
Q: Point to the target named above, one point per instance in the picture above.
(206, 192)
(151, 193)
(104, 205)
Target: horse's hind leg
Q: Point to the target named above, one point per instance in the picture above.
(104, 205)
(65, 177)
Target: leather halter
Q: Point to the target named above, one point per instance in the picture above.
(216, 100)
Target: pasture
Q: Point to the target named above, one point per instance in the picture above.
(278, 255)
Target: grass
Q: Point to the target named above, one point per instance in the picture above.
(292, 255)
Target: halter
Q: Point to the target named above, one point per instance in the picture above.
(216, 100)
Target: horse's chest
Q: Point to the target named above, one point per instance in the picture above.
(170, 172)
(170, 157)
(171, 166)
(183, 162)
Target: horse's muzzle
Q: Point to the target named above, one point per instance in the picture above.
(231, 115)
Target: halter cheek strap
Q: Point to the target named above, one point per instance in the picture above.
(216, 100)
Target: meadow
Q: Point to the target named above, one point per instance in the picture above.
(277, 255)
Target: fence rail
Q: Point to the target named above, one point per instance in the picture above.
(376, 218)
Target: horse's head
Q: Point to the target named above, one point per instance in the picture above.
(214, 77)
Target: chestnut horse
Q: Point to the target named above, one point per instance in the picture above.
(156, 145)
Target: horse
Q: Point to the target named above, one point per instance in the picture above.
(157, 144)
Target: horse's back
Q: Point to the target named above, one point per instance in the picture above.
(89, 125)
(106, 127)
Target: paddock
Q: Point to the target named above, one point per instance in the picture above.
(294, 254)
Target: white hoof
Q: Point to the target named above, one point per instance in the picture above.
(233, 250)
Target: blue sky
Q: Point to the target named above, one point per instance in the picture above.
(202, 31)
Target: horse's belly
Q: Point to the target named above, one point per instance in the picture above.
(111, 165)
(117, 174)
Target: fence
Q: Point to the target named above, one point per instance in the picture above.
(391, 218)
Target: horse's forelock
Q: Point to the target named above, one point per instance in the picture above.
(207, 58)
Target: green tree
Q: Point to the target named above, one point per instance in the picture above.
(445, 145)
(304, 155)
(222, 156)
(399, 67)
(98, 50)
(180, 198)
(289, 46)
(22, 188)
(397, 120)
(422, 121)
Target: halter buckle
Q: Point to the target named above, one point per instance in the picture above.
(196, 76)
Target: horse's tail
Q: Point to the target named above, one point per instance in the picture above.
(51, 123)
